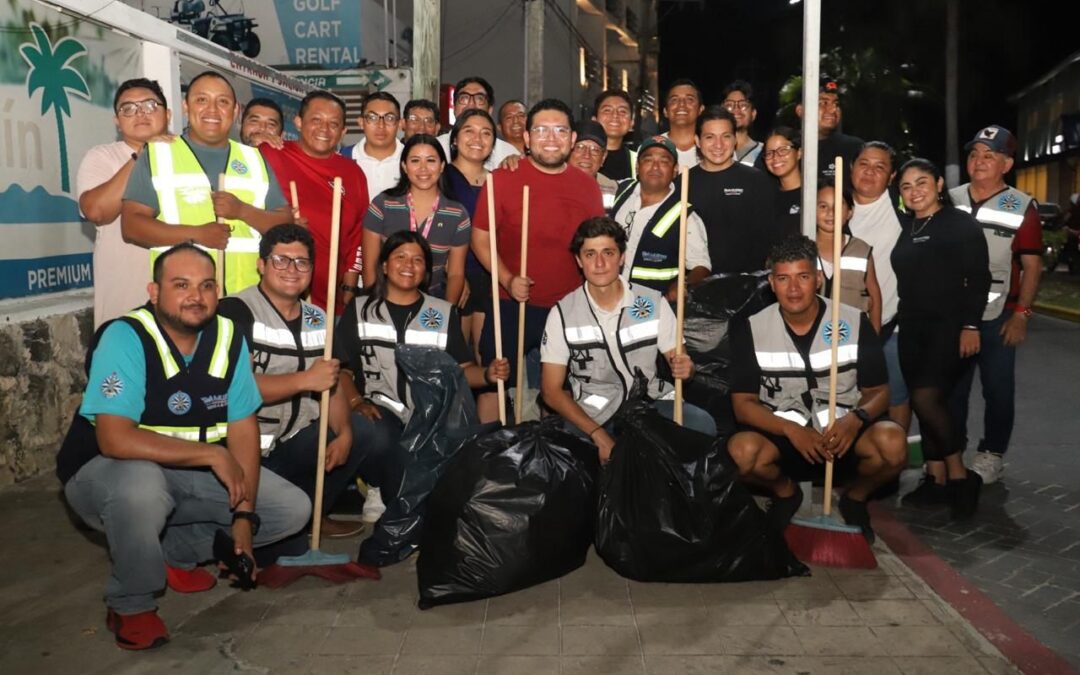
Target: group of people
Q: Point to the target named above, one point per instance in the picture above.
(201, 409)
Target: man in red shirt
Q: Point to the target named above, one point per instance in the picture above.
(313, 163)
(560, 198)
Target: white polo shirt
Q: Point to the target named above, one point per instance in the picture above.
(381, 174)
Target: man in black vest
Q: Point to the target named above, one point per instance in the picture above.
(648, 209)
(779, 374)
(165, 449)
(287, 336)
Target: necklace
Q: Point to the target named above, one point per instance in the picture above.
(917, 229)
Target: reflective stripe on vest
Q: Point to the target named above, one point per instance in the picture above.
(669, 219)
(144, 317)
(1013, 221)
(425, 338)
(283, 337)
(845, 354)
(652, 274)
(219, 362)
(633, 164)
(376, 331)
(214, 434)
(637, 332)
(852, 263)
(577, 335)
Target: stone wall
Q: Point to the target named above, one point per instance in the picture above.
(42, 379)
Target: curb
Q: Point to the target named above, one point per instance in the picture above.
(1057, 311)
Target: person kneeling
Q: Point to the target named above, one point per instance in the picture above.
(164, 451)
(780, 391)
(603, 332)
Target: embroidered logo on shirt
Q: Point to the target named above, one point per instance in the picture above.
(216, 401)
(179, 403)
(642, 309)
(793, 210)
(313, 317)
(845, 332)
(431, 319)
(112, 386)
(239, 167)
(733, 192)
(1009, 202)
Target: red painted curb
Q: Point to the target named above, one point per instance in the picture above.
(1020, 647)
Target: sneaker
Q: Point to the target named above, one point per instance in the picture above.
(373, 506)
(340, 529)
(966, 495)
(855, 514)
(194, 580)
(144, 630)
(783, 509)
(989, 465)
(929, 493)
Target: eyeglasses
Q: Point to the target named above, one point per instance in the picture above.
(465, 98)
(589, 148)
(781, 152)
(612, 111)
(376, 118)
(282, 262)
(545, 132)
(737, 105)
(132, 108)
(426, 121)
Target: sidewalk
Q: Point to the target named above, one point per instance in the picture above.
(883, 622)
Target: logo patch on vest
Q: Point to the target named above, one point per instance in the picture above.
(215, 402)
(179, 403)
(238, 166)
(194, 195)
(1009, 202)
(845, 332)
(642, 309)
(313, 317)
(431, 319)
(112, 386)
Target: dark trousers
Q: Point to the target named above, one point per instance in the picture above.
(535, 318)
(997, 373)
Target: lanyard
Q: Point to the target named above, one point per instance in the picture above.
(412, 215)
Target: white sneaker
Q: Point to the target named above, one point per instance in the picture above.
(990, 466)
(373, 506)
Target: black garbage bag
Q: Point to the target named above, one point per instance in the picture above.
(670, 508)
(710, 307)
(515, 509)
(444, 415)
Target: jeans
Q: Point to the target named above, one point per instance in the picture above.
(154, 515)
(997, 365)
(898, 392)
(535, 320)
(693, 418)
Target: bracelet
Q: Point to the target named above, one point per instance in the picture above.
(353, 401)
(349, 289)
(598, 428)
(1023, 311)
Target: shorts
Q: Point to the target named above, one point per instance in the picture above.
(929, 350)
(479, 294)
(794, 466)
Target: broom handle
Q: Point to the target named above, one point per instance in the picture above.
(496, 318)
(837, 251)
(328, 350)
(520, 399)
(680, 301)
(295, 199)
(219, 273)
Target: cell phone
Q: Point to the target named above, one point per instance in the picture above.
(240, 566)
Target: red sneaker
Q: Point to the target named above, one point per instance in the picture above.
(144, 630)
(195, 580)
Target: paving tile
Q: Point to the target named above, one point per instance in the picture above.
(454, 641)
(520, 640)
(846, 665)
(461, 615)
(938, 665)
(747, 614)
(600, 641)
(869, 587)
(746, 591)
(757, 640)
(894, 613)
(518, 665)
(998, 666)
(602, 665)
(839, 641)
(537, 606)
(974, 642)
(268, 645)
(435, 665)
(670, 616)
(361, 640)
(692, 639)
(593, 610)
(919, 641)
(349, 665)
(819, 612)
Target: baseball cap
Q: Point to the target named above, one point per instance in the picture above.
(589, 130)
(829, 86)
(659, 141)
(995, 137)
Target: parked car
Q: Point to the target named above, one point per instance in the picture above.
(1050, 215)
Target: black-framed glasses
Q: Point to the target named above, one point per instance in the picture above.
(477, 99)
(282, 262)
(385, 118)
(737, 105)
(782, 152)
(131, 108)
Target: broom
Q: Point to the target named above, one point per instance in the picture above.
(825, 540)
(496, 325)
(680, 302)
(519, 401)
(219, 273)
(337, 568)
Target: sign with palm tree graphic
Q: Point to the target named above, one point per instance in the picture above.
(51, 72)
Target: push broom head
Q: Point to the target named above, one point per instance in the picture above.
(825, 542)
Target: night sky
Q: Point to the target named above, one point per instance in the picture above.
(1004, 46)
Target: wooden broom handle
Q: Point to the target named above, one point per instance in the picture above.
(834, 346)
(219, 273)
(496, 315)
(680, 301)
(519, 401)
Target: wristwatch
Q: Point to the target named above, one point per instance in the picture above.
(350, 289)
(864, 417)
(249, 516)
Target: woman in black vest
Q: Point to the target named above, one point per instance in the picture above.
(943, 276)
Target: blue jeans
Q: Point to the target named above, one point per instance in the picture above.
(154, 515)
(997, 365)
(898, 392)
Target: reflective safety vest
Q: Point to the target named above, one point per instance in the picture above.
(378, 336)
(1000, 216)
(797, 390)
(656, 260)
(276, 350)
(184, 198)
(633, 164)
(854, 263)
(189, 401)
(595, 383)
(751, 155)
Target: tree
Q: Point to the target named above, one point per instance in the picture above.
(50, 71)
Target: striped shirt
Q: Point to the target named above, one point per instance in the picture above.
(450, 228)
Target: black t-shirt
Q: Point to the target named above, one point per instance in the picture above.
(617, 165)
(835, 144)
(746, 375)
(789, 212)
(738, 207)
